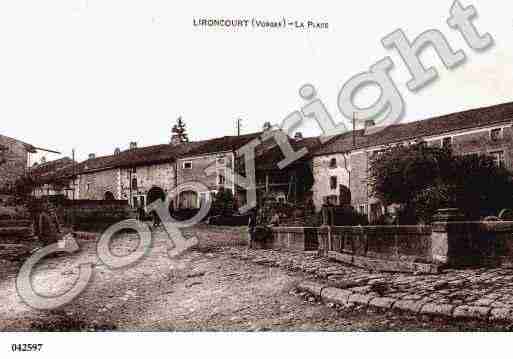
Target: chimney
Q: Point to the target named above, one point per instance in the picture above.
(133, 145)
(117, 151)
(43, 160)
(92, 156)
(368, 123)
(298, 136)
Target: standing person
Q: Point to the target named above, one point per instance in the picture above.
(140, 212)
(156, 219)
(252, 222)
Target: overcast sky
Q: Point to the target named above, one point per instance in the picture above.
(96, 74)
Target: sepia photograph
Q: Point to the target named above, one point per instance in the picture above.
(255, 176)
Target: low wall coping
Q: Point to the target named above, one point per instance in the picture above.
(292, 229)
(474, 226)
(382, 229)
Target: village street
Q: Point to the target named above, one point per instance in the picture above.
(217, 286)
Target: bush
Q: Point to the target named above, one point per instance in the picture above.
(427, 202)
(425, 179)
(223, 203)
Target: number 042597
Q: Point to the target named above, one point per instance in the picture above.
(26, 347)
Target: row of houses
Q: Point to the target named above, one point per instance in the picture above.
(15, 158)
(141, 175)
(333, 172)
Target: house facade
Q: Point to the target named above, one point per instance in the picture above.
(14, 159)
(130, 175)
(54, 178)
(344, 161)
(143, 175)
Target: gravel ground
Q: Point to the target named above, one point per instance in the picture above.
(206, 288)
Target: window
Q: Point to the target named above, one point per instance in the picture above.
(333, 163)
(134, 183)
(221, 180)
(333, 182)
(447, 142)
(134, 170)
(471, 155)
(496, 134)
(377, 152)
(498, 158)
(363, 209)
(221, 176)
(88, 187)
(187, 165)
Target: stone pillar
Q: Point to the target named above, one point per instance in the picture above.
(451, 238)
(324, 238)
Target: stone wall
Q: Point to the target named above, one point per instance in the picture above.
(158, 175)
(92, 214)
(16, 164)
(423, 249)
(473, 243)
(388, 248)
(94, 185)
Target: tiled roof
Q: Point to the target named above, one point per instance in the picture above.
(27, 146)
(130, 158)
(269, 159)
(419, 129)
(165, 153)
(49, 171)
(215, 145)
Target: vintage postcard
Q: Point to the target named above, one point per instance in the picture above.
(302, 169)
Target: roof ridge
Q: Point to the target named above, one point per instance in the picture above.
(436, 125)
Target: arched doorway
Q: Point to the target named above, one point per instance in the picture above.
(109, 196)
(155, 193)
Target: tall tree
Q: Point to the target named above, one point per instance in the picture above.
(179, 132)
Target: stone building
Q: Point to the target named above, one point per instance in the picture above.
(54, 177)
(142, 175)
(127, 175)
(14, 160)
(343, 162)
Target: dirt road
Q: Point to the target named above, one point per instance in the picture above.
(204, 289)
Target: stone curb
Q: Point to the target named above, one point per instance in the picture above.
(344, 296)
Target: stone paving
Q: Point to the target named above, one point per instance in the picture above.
(485, 293)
